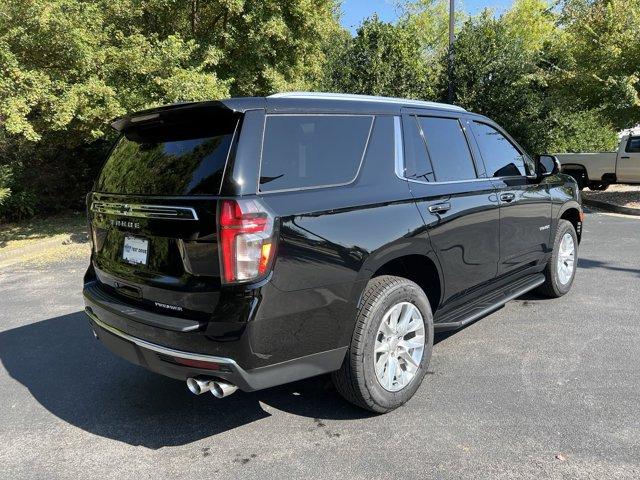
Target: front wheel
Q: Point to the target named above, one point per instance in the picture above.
(561, 268)
(390, 347)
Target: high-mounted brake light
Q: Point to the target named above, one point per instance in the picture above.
(246, 240)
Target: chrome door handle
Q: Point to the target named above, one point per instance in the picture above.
(440, 207)
(507, 197)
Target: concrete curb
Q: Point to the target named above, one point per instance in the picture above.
(611, 207)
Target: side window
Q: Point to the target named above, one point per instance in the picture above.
(633, 145)
(417, 164)
(306, 151)
(500, 156)
(447, 149)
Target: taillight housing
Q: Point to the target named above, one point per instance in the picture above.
(245, 241)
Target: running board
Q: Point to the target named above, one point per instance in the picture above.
(487, 304)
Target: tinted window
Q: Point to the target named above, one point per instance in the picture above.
(501, 158)
(312, 150)
(177, 159)
(417, 164)
(447, 149)
(633, 145)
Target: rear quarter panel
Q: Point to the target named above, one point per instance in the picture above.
(596, 164)
(328, 237)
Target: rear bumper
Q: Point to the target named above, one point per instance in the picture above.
(182, 364)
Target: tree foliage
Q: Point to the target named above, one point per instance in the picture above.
(603, 44)
(67, 67)
(559, 77)
(382, 59)
(519, 77)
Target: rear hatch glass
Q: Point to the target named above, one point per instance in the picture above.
(170, 157)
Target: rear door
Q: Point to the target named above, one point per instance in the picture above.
(154, 207)
(628, 168)
(525, 203)
(459, 206)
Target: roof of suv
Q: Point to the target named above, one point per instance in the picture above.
(294, 102)
(365, 99)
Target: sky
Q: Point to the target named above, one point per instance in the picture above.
(354, 11)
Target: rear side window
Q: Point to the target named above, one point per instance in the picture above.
(633, 145)
(307, 151)
(417, 164)
(169, 159)
(501, 157)
(447, 149)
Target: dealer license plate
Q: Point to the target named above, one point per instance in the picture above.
(135, 250)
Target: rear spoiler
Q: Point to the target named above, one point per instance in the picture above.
(176, 110)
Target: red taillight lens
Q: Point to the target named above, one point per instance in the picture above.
(246, 240)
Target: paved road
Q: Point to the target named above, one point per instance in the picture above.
(540, 389)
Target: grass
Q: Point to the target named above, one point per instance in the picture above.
(31, 231)
(42, 240)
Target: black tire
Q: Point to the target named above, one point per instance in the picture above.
(598, 186)
(356, 380)
(553, 287)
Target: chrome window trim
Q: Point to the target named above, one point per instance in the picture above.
(314, 187)
(398, 147)
(161, 212)
(400, 165)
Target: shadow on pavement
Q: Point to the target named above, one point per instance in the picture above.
(79, 381)
(588, 264)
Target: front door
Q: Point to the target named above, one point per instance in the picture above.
(459, 207)
(525, 204)
(628, 168)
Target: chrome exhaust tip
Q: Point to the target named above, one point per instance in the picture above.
(222, 389)
(198, 386)
(218, 388)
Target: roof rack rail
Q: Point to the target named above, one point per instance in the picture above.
(366, 98)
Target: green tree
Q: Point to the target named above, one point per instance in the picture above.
(382, 59)
(495, 75)
(532, 22)
(69, 66)
(498, 72)
(603, 45)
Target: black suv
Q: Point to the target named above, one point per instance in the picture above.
(250, 242)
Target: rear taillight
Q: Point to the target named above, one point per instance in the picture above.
(246, 240)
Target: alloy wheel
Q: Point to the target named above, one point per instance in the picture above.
(399, 346)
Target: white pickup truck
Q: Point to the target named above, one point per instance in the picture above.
(599, 170)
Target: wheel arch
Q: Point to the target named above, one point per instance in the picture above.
(574, 170)
(418, 265)
(572, 212)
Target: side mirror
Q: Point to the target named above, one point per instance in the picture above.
(548, 165)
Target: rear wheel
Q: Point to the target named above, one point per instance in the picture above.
(390, 348)
(561, 268)
(598, 186)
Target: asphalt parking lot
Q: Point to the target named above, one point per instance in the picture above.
(539, 389)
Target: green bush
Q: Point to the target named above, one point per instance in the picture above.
(585, 131)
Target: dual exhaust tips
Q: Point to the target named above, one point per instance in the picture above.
(218, 388)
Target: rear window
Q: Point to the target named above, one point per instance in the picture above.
(307, 151)
(186, 158)
(633, 145)
(448, 149)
